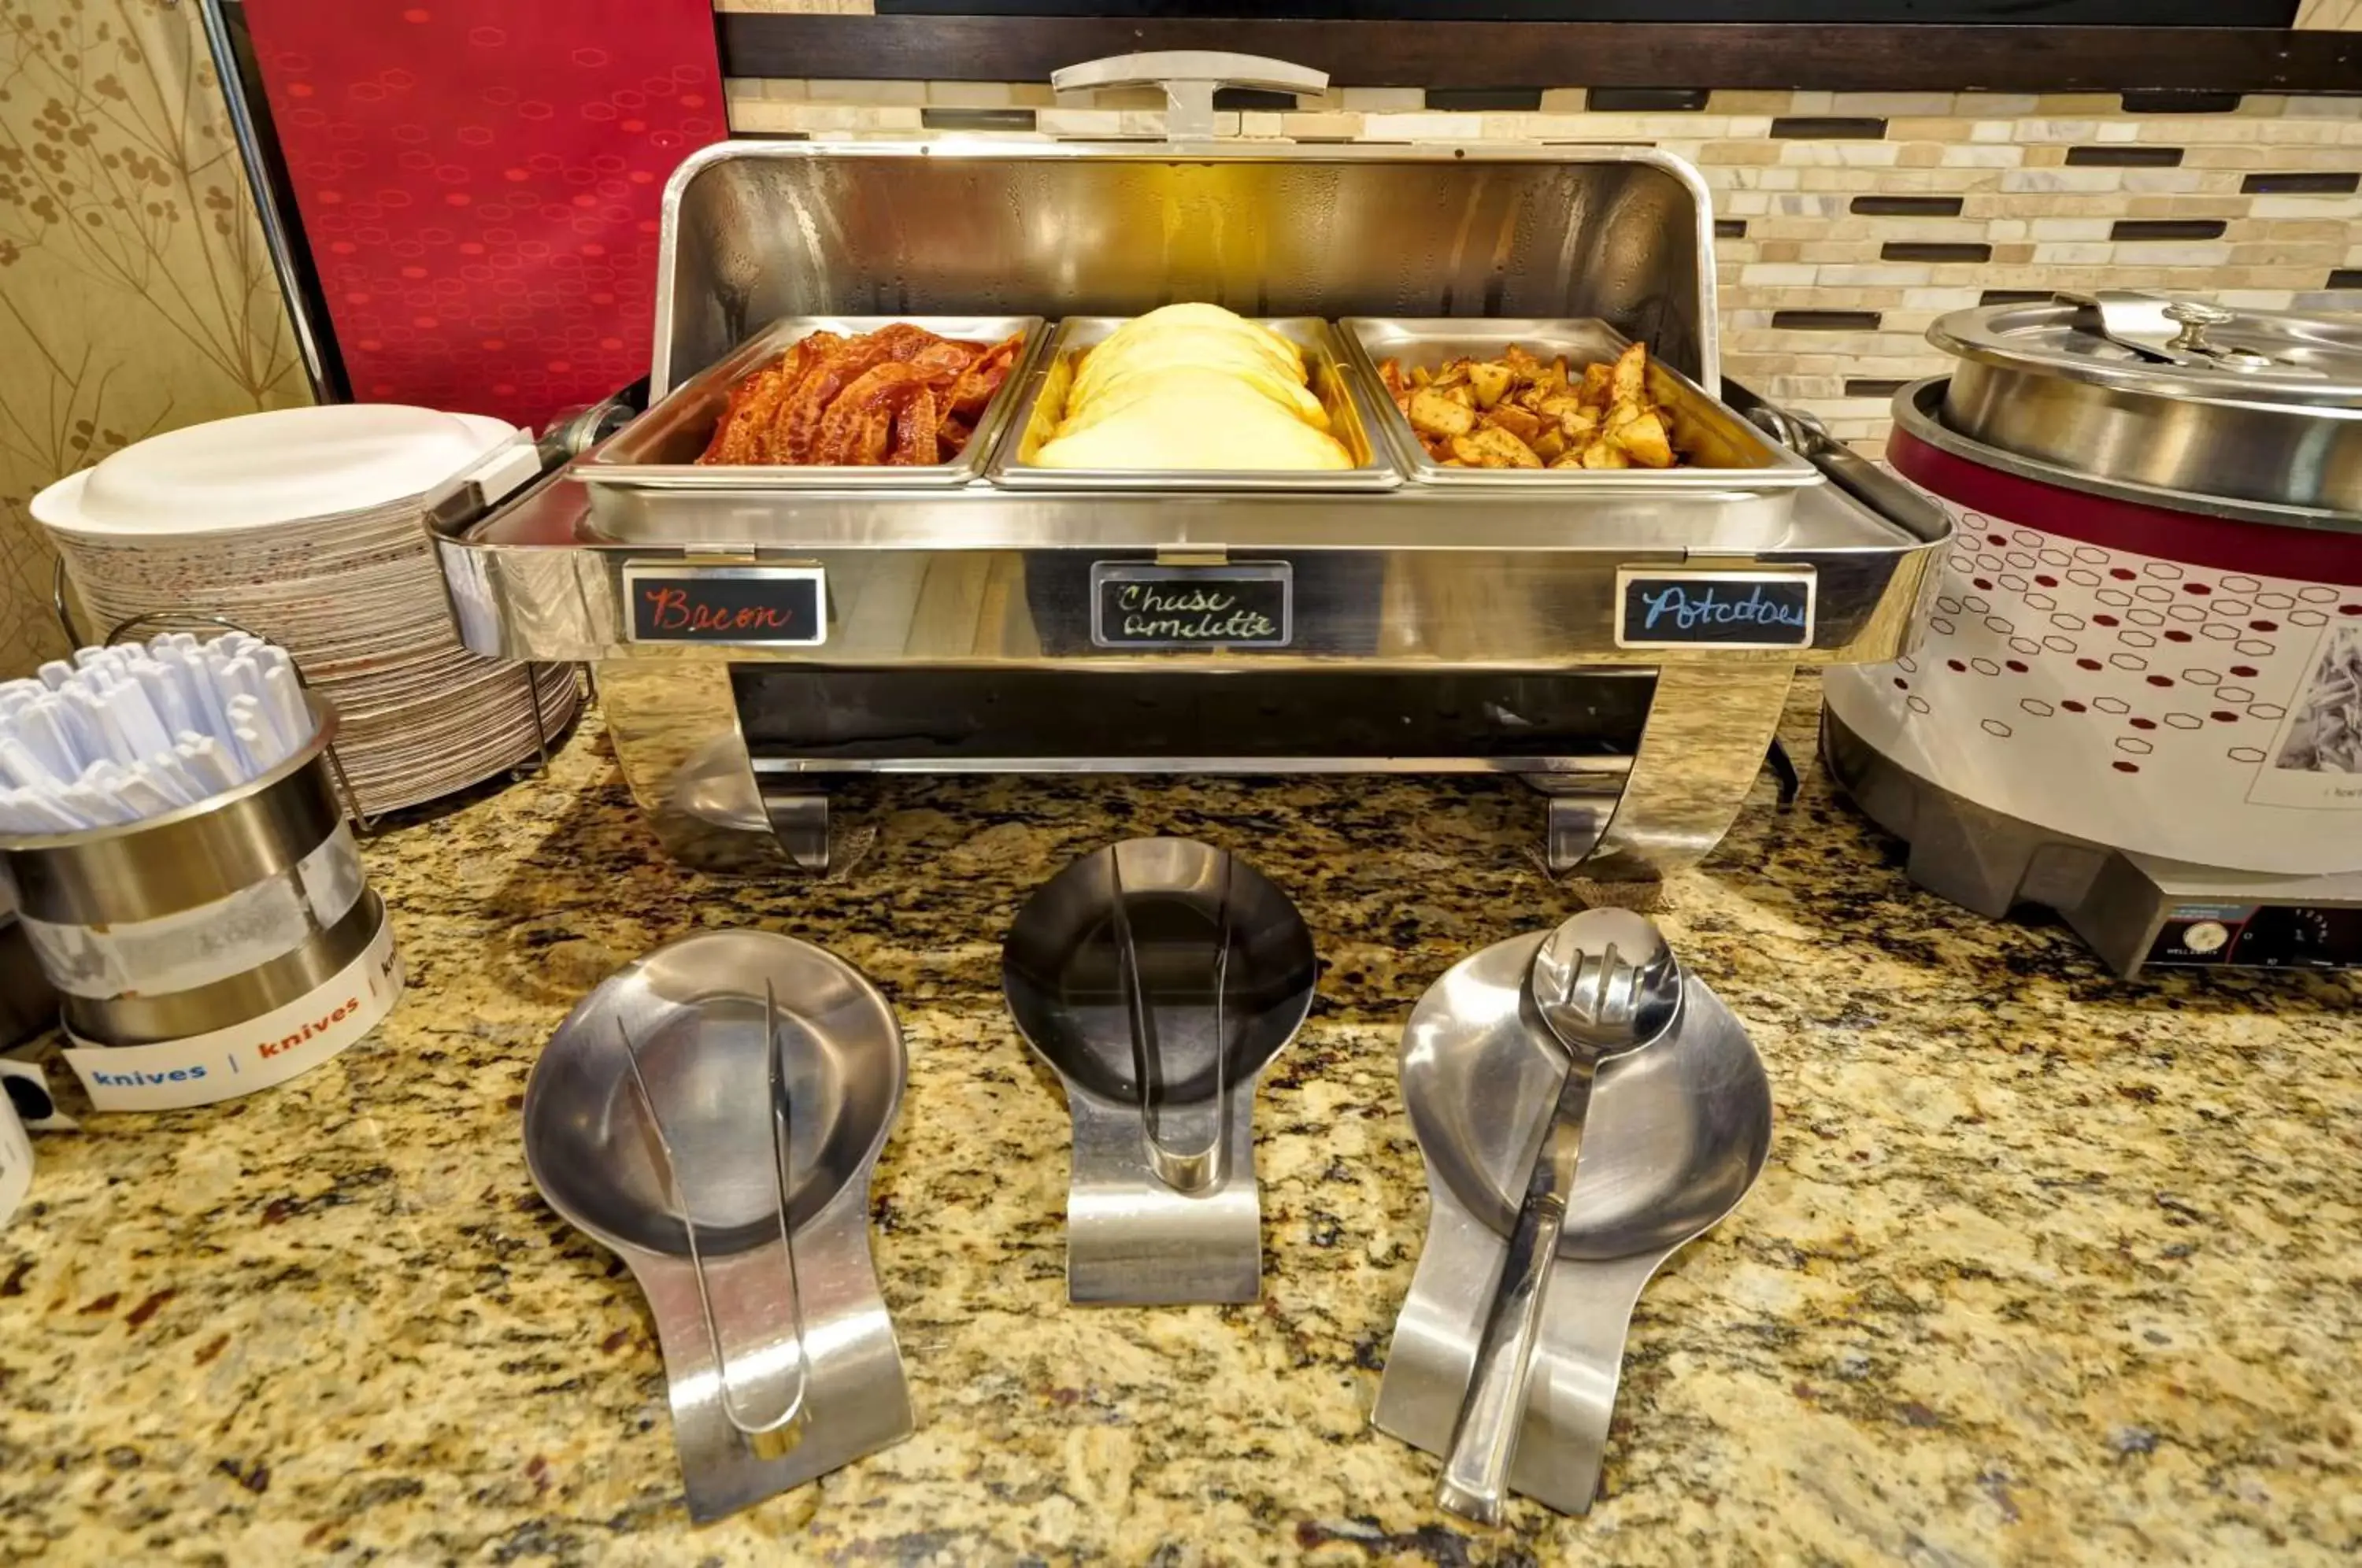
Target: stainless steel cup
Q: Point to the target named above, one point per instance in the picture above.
(205, 917)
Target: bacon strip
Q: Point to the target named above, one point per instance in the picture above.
(754, 404)
(948, 354)
(915, 431)
(798, 429)
(858, 424)
(824, 402)
(981, 380)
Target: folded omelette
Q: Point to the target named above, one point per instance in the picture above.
(1192, 386)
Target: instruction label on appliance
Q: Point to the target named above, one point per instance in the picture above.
(1147, 605)
(1672, 608)
(747, 606)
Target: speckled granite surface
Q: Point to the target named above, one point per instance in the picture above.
(2046, 1268)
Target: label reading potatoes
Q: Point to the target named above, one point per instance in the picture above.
(1714, 609)
(1143, 604)
(753, 606)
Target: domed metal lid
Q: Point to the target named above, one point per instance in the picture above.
(2167, 348)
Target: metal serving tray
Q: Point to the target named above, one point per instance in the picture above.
(1725, 452)
(658, 451)
(1351, 415)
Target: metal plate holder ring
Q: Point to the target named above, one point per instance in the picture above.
(363, 822)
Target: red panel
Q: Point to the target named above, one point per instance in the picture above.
(2219, 544)
(479, 182)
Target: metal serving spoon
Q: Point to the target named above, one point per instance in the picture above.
(1605, 984)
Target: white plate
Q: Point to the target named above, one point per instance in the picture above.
(261, 470)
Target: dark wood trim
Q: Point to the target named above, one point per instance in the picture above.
(1570, 55)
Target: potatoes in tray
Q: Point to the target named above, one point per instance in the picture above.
(1191, 386)
(1518, 412)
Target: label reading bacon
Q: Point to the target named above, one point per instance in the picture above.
(759, 606)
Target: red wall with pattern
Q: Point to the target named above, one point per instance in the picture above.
(479, 182)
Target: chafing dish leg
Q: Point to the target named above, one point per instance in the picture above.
(798, 817)
(1709, 726)
(674, 724)
(1577, 820)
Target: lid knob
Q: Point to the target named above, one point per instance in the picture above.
(2194, 316)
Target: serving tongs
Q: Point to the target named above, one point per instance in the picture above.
(720, 1139)
(1185, 1170)
(791, 1414)
(1157, 977)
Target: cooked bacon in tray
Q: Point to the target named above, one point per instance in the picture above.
(899, 395)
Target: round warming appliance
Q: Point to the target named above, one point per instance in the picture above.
(2148, 632)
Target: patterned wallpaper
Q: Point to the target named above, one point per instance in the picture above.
(135, 292)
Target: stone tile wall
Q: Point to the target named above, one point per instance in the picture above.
(1848, 221)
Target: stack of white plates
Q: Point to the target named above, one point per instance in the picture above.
(306, 526)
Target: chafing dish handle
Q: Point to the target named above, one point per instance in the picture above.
(1846, 469)
(1189, 77)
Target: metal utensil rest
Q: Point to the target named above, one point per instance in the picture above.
(742, 1211)
(1157, 977)
(1679, 1133)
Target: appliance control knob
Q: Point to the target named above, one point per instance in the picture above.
(2206, 936)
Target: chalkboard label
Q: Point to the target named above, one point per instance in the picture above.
(1714, 609)
(747, 606)
(1144, 604)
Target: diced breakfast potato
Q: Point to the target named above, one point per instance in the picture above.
(1493, 447)
(1645, 442)
(1628, 382)
(1434, 414)
(1515, 412)
(1491, 383)
(1517, 421)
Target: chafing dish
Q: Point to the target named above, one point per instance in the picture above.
(751, 646)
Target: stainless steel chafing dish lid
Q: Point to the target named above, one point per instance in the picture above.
(2178, 394)
(754, 231)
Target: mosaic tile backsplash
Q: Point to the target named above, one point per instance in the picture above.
(1848, 221)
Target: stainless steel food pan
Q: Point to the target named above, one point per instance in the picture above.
(1352, 417)
(658, 451)
(1720, 450)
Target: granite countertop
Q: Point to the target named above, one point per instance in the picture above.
(2045, 1267)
